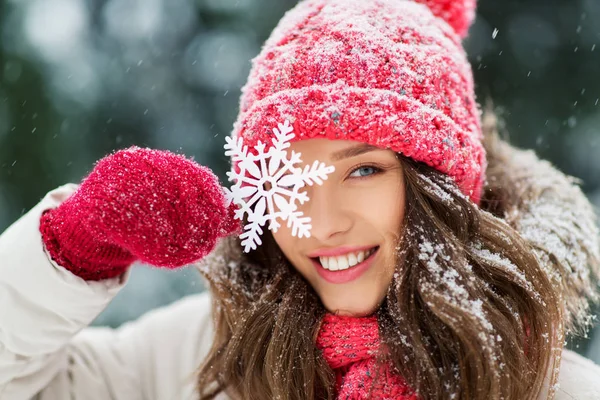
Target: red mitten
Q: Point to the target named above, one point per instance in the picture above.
(138, 204)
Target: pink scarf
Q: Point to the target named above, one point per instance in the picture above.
(350, 347)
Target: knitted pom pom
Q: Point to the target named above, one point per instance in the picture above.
(458, 13)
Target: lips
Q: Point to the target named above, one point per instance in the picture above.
(346, 275)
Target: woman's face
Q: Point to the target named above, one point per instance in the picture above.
(356, 222)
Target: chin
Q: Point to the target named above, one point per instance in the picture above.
(351, 308)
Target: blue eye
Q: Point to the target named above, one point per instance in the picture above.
(364, 171)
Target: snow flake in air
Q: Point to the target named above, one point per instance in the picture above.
(267, 185)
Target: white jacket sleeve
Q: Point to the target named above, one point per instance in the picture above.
(579, 378)
(47, 350)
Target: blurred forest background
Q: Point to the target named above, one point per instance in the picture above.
(80, 78)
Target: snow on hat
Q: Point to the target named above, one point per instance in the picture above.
(390, 73)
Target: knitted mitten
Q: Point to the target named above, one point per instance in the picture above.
(138, 204)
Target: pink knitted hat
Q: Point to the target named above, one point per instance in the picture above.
(390, 73)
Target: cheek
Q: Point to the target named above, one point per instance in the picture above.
(283, 239)
(288, 244)
(387, 219)
(381, 207)
(395, 204)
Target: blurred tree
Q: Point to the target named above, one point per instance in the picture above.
(537, 61)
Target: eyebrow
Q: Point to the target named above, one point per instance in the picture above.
(353, 151)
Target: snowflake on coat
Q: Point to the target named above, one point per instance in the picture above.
(267, 185)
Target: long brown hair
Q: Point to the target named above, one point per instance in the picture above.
(470, 313)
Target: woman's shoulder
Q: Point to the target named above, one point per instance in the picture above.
(579, 378)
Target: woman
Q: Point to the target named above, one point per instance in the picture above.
(387, 267)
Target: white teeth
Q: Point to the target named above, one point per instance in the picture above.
(346, 261)
(332, 262)
(342, 262)
(361, 257)
(352, 259)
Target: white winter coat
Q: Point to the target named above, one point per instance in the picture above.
(48, 351)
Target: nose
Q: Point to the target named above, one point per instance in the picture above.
(328, 213)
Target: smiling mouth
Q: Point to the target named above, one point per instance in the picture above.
(346, 261)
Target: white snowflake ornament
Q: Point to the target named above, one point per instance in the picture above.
(267, 186)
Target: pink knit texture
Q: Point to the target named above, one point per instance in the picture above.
(350, 347)
(389, 73)
(138, 204)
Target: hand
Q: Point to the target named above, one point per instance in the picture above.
(138, 204)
